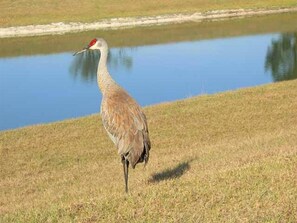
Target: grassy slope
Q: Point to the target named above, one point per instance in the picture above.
(221, 158)
(25, 12)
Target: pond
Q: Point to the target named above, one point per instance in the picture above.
(40, 82)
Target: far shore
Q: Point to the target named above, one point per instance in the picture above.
(129, 22)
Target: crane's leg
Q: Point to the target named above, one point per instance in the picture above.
(126, 168)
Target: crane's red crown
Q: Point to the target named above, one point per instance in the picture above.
(92, 42)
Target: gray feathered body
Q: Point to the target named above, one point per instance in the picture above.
(122, 117)
(126, 125)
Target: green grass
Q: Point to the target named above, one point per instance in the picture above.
(24, 12)
(229, 157)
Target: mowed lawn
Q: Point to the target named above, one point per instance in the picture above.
(27, 12)
(229, 157)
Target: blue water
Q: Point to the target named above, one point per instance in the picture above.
(45, 88)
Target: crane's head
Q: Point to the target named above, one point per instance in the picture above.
(95, 44)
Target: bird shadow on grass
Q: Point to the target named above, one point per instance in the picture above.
(171, 173)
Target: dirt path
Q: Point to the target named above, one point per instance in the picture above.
(118, 23)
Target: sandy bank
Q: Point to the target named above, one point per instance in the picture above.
(118, 23)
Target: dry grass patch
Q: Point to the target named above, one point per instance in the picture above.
(216, 158)
(26, 12)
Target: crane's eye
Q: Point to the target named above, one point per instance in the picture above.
(92, 42)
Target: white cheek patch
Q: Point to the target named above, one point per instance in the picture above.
(92, 47)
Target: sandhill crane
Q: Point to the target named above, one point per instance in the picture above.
(122, 117)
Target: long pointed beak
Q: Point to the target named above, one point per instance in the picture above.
(81, 51)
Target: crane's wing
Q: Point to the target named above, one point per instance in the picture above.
(126, 125)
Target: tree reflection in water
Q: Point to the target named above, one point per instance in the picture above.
(281, 57)
(85, 65)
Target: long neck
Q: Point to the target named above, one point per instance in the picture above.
(104, 79)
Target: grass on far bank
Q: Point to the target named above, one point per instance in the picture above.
(27, 12)
(229, 157)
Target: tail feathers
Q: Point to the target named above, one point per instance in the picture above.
(143, 157)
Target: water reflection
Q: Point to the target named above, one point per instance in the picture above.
(281, 57)
(85, 64)
(152, 74)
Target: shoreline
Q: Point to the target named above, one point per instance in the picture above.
(130, 22)
(223, 152)
(150, 106)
